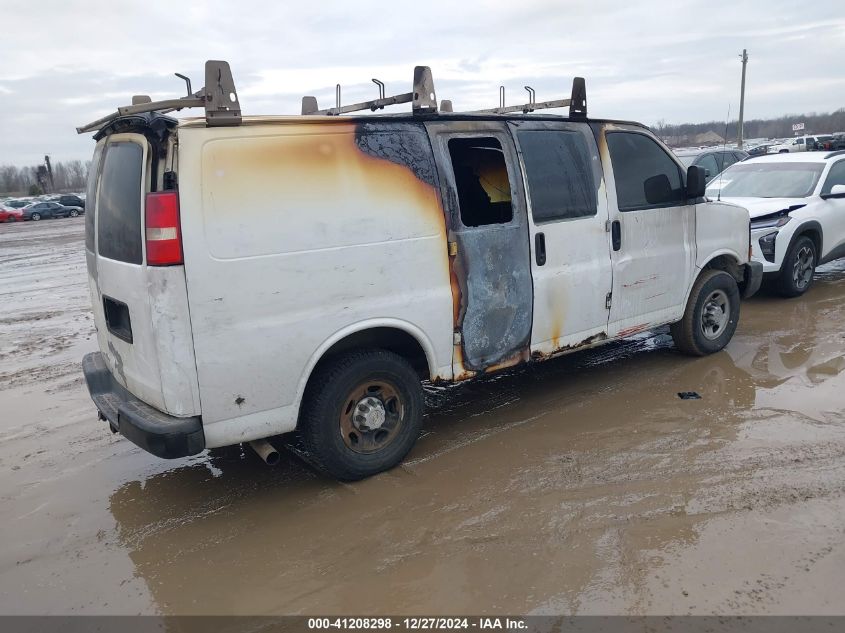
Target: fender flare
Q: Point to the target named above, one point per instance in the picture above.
(698, 269)
(361, 326)
(800, 230)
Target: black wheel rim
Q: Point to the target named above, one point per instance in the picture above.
(802, 270)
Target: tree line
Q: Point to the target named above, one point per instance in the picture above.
(781, 127)
(72, 175)
(67, 176)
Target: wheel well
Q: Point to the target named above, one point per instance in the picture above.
(728, 264)
(392, 339)
(814, 234)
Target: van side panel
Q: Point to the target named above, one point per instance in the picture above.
(293, 233)
(171, 323)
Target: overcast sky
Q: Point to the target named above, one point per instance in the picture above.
(67, 62)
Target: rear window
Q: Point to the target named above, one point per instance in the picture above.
(119, 203)
(91, 197)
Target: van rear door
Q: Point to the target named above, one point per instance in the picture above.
(140, 311)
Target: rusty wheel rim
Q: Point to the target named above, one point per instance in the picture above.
(371, 416)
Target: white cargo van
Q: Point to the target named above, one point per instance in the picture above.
(252, 276)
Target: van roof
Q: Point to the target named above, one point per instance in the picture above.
(297, 119)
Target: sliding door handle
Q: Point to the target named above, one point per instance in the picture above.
(616, 234)
(540, 248)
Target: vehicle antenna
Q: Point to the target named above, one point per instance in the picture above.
(724, 149)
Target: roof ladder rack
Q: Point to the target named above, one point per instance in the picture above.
(421, 98)
(577, 102)
(218, 97)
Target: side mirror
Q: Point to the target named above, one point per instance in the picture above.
(836, 191)
(658, 189)
(696, 181)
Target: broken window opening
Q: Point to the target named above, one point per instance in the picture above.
(481, 178)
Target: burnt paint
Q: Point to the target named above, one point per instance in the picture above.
(494, 295)
(404, 144)
(496, 314)
(595, 339)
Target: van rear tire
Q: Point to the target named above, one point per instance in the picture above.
(711, 316)
(361, 413)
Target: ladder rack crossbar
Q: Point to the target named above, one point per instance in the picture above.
(528, 107)
(375, 104)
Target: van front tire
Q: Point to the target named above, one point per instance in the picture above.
(361, 413)
(711, 316)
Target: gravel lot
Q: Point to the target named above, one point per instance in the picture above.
(583, 485)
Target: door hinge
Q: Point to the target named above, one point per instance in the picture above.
(608, 300)
(456, 338)
(453, 249)
(607, 226)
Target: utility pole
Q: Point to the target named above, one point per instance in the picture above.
(49, 172)
(744, 58)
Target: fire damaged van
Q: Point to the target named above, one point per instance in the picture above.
(254, 276)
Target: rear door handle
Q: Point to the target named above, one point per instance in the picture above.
(616, 234)
(540, 248)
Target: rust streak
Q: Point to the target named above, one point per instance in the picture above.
(538, 355)
(519, 357)
(633, 330)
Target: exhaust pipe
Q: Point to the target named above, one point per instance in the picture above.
(265, 451)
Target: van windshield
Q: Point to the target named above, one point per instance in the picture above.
(769, 180)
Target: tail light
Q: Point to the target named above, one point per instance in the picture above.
(164, 237)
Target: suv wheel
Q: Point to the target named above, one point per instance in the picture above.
(711, 316)
(361, 413)
(35, 216)
(798, 268)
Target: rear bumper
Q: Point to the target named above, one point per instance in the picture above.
(156, 432)
(753, 278)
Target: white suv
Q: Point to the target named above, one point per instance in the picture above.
(797, 207)
(253, 276)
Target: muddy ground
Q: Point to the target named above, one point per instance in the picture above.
(582, 485)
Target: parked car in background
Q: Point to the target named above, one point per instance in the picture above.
(824, 143)
(71, 200)
(759, 150)
(713, 161)
(10, 214)
(838, 142)
(797, 207)
(17, 204)
(43, 210)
